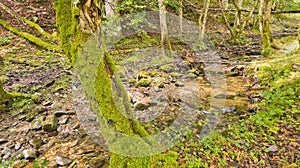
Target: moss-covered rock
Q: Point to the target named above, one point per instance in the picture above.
(145, 82)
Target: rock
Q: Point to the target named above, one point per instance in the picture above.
(159, 84)
(167, 68)
(7, 155)
(176, 74)
(2, 141)
(37, 123)
(29, 154)
(273, 148)
(50, 124)
(229, 109)
(22, 118)
(142, 105)
(179, 84)
(60, 113)
(96, 162)
(47, 103)
(63, 160)
(144, 82)
(17, 146)
(192, 76)
(63, 119)
(36, 142)
(296, 67)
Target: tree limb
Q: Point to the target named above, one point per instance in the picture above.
(29, 37)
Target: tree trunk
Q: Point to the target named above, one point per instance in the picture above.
(299, 36)
(267, 38)
(180, 16)
(110, 7)
(76, 22)
(165, 42)
(202, 19)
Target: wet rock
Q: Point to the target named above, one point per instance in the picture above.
(2, 141)
(50, 124)
(273, 148)
(229, 109)
(142, 105)
(179, 84)
(37, 123)
(63, 160)
(29, 154)
(36, 142)
(60, 113)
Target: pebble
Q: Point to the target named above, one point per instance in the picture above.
(29, 154)
(63, 160)
(17, 146)
(50, 124)
(142, 105)
(273, 148)
(63, 119)
(179, 84)
(37, 123)
(36, 142)
(2, 141)
(229, 109)
(60, 113)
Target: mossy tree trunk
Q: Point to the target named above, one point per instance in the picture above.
(264, 19)
(76, 21)
(165, 41)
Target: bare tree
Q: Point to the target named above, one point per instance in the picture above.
(240, 22)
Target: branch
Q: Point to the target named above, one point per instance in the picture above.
(34, 25)
(30, 37)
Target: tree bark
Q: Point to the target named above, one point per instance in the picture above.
(203, 18)
(165, 42)
(76, 22)
(266, 35)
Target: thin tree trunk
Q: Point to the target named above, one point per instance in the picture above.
(249, 16)
(299, 36)
(203, 18)
(180, 16)
(165, 42)
(260, 16)
(267, 38)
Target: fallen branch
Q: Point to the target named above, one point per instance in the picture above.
(30, 37)
(34, 25)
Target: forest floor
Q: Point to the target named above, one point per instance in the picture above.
(43, 128)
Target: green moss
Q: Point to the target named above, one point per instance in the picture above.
(145, 82)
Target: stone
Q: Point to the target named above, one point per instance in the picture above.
(2, 141)
(29, 154)
(144, 82)
(36, 142)
(229, 109)
(179, 84)
(97, 162)
(142, 105)
(50, 124)
(60, 113)
(176, 74)
(63, 160)
(63, 119)
(159, 84)
(37, 123)
(17, 146)
(273, 148)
